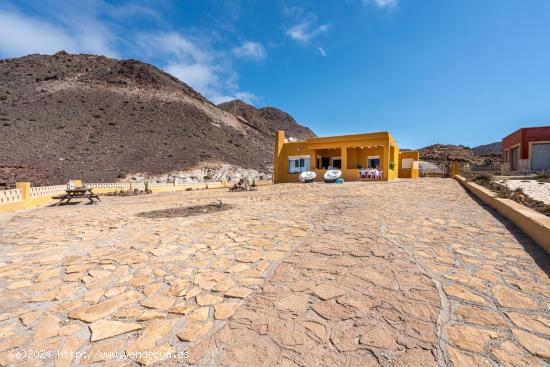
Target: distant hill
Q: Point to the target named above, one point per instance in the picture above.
(437, 153)
(488, 149)
(100, 119)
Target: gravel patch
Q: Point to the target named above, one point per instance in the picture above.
(536, 190)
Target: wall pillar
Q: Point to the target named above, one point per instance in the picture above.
(454, 169)
(279, 141)
(344, 157)
(25, 188)
(386, 161)
(312, 160)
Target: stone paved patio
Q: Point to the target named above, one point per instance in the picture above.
(360, 274)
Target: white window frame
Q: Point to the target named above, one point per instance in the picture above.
(292, 169)
(407, 163)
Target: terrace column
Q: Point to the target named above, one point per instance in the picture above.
(344, 156)
(312, 160)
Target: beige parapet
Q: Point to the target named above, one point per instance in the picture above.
(24, 196)
(533, 223)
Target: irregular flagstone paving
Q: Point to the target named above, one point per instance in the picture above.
(103, 282)
(360, 274)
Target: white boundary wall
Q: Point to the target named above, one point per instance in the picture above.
(10, 196)
(37, 192)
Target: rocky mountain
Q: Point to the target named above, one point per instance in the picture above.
(267, 119)
(100, 119)
(438, 153)
(489, 149)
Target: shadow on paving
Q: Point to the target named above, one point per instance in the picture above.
(539, 256)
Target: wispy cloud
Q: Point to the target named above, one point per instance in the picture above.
(174, 45)
(322, 51)
(250, 50)
(21, 35)
(305, 26)
(381, 3)
(98, 27)
(204, 69)
(199, 76)
(306, 30)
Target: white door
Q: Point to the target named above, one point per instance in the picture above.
(540, 157)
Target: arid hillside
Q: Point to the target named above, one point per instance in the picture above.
(438, 153)
(489, 149)
(91, 117)
(267, 120)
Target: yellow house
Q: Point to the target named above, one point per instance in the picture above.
(349, 153)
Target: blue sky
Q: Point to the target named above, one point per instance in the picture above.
(459, 72)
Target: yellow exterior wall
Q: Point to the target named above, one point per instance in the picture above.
(25, 204)
(279, 141)
(408, 173)
(358, 156)
(353, 150)
(280, 166)
(394, 157)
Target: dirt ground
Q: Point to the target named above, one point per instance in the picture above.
(412, 272)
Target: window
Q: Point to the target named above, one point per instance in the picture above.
(373, 162)
(514, 161)
(298, 164)
(406, 163)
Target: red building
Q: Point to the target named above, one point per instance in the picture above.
(527, 150)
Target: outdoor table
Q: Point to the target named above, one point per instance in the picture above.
(77, 193)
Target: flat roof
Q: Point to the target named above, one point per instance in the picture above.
(375, 135)
(526, 128)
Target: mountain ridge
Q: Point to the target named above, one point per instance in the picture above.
(438, 153)
(66, 116)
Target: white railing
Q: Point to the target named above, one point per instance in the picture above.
(41, 191)
(16, 195)
(116, 185)
(10, 196)
(156, 184)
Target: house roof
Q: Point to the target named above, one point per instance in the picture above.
(526, 128)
